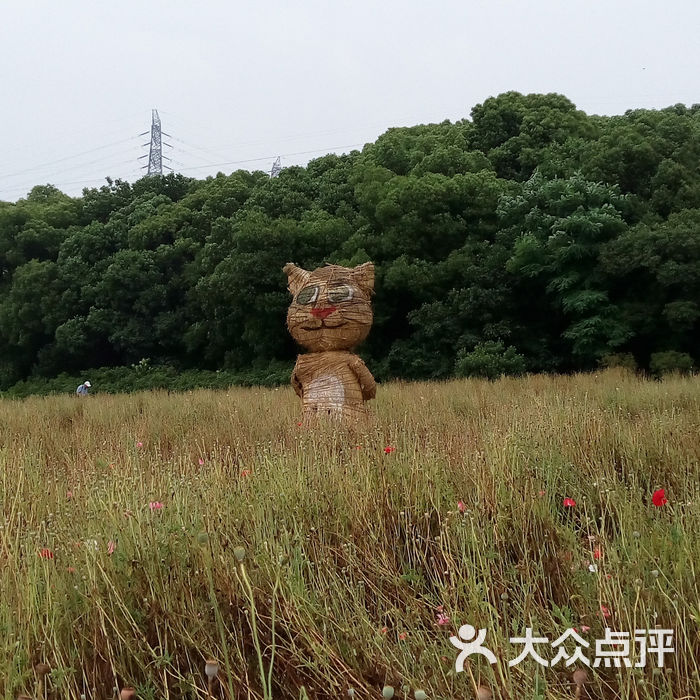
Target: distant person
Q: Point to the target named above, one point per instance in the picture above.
(82, 390)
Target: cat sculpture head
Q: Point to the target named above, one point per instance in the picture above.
(331, 308)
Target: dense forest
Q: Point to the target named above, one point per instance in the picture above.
(530, 237)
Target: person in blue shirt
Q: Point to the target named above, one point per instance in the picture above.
(82, 390)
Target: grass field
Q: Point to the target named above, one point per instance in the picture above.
(144, 534)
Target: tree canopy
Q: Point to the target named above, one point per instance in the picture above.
(528, 237)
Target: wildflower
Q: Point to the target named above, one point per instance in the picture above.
(585, 628)
(299, 423)
(593, 568)
(443, 619)
(246, 472)
(383, 630)
(659, 498)
(387, 692)
(461, 507)
(542, 492)
(155, 505)
(569, 503)
(71, 569)
(403, 636)
(46, 553)
(139, 444)
(69, 495)
(605, 611)
(201, 462)
(389, 449)
(111, 546)
(597, 554)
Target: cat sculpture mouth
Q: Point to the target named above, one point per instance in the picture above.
(324, 324)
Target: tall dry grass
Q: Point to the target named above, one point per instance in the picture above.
(308, 562)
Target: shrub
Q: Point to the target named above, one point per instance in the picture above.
(490, 360)
(670, 362)
(625, 360)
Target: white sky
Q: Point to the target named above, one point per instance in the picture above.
(237, 81)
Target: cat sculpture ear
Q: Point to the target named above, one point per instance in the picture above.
(363, 276)
(296, 277)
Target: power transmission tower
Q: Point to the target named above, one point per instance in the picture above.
(155, 153)
(276, 167)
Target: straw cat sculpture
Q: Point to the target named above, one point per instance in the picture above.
(329, 315)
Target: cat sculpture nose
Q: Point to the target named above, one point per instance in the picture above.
(322, 313)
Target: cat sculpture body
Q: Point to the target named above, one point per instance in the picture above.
(330, 314)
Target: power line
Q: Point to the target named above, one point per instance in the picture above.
(62, 160)
(283, 155)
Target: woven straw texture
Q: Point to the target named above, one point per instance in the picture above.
(330, 314)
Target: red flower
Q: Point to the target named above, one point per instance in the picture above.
(389, 449)
(46, 553)
(605, 611)
(246, 472)
(569, 503)
(461, 507)
(597, 554)
(659, 498)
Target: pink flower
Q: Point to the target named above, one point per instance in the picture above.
(139, 444)
(443, 619)
(569, 503)
(403, 636)
(659, 498)
(542, 492)
(155, 505)
(585, 628)
(111, 546)
(461, 507)
(46, 553)
(389, 449)
(383, 630)
(605, 611)
(69, 495)
(246, 472)
(201, 462)
(71, 569)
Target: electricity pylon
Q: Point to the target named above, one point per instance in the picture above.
(276, 167)
(155, 153)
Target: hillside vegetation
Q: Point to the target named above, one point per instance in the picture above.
(529, 237)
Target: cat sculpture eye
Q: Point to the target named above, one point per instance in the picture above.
(308, 295)
(338, 294)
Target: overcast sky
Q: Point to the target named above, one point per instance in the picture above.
(237, 83)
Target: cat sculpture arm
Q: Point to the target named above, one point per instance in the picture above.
(296, 383)
(364, 376)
